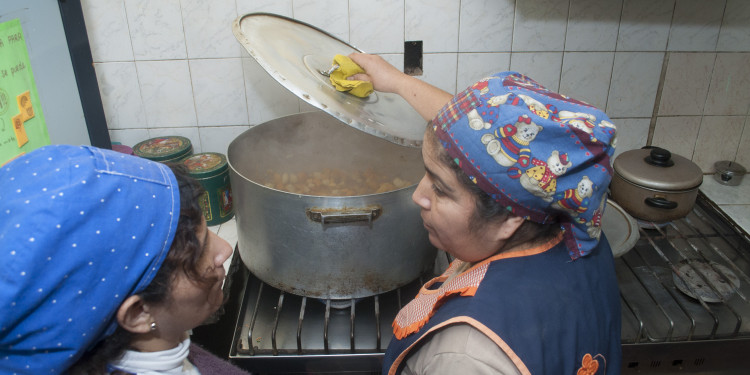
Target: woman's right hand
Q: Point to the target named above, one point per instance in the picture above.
(423, 97)
(383, 76)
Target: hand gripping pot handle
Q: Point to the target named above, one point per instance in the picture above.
(340, 216)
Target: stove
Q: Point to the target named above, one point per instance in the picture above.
(270, 331)
(685, 289)
(685, 309)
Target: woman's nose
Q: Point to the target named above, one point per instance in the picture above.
(420, 195)
(223, 252)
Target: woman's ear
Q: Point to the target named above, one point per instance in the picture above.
(509, 226)
(133, 315)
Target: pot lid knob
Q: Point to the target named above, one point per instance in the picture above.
(659, 157)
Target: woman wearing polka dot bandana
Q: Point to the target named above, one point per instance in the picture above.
(107, 264)
(514, 189)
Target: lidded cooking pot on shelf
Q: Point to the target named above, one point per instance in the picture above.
(728, 172)
(655, 185)
(326, 244)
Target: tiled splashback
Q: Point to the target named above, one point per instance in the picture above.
(672, 73)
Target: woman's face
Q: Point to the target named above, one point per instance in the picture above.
(447, 208)
(191, 302)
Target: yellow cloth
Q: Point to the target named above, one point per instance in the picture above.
(347, 68)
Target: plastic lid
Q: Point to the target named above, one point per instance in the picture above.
(621, 229)
(206, 164)
(163, 148)
(294, 54)
(657, 168)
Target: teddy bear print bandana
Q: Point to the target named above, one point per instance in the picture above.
(81, 229)
(542, 155)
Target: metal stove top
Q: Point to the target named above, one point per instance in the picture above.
(685, 289)
(664, 331)
(281, 333)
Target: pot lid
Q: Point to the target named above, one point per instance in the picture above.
(658, 169)
(620, 228)
(295, 53)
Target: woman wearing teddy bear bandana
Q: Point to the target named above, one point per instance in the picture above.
(107, 264)
(515, 193)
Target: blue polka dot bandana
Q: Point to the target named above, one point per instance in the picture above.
(81, 229)
(542, 155)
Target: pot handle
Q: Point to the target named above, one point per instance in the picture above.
(661, 203)
(349, 215)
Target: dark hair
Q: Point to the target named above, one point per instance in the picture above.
(183, 255)
(488, 210)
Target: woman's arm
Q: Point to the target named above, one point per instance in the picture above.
(426, 99)
(459, 349)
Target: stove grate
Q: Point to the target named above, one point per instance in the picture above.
(665, 296)
(281, 323)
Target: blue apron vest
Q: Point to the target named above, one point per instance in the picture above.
(556, 315)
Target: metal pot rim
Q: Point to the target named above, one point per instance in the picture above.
(300, 195)
(681, 175)
(657, 189)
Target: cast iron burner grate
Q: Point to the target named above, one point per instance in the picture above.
(280, 332)
(656, 310)
(675, 319)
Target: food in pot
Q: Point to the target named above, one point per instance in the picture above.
(333, 182)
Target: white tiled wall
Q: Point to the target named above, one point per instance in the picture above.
(672, 73)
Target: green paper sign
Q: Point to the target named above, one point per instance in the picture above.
(22, 126)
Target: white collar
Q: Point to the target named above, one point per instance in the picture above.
(171, 361)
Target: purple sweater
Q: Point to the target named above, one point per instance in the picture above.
(209, 364)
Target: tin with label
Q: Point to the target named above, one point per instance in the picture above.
(212, 171)
(164, 149)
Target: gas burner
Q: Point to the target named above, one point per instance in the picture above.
(650, 225)
(702, 280)
(339, 304)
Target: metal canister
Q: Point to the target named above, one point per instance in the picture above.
(212, 171)
(164, 149)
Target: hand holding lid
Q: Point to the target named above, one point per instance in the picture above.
(347, 68)
(294, 53)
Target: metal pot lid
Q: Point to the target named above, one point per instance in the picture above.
(658, 169)
(295, 53)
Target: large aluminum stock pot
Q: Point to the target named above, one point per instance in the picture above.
(337, 247)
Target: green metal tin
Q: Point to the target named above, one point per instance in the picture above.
(164, 149)
(212, 171)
